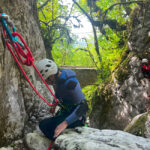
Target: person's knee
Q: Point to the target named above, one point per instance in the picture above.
(47, 129)
(46, 124)
(42, 125)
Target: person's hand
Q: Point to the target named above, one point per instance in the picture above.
(61, 127)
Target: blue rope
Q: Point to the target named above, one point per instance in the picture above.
(13, 39)
(7, 29)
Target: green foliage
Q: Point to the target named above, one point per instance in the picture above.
(89, 92)
(53, 17)
(64, 55)
(111, 39)
(123, 71)
(49, 12)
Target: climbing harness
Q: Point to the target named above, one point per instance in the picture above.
(22, 54)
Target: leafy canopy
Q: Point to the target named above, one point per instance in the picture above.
(108, 17)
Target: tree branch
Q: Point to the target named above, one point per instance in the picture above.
(90, 54)
(125, 3)
(89, 18)
(44, 4)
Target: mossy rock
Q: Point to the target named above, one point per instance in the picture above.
(102, 101)
(137, 125)
(123, 71)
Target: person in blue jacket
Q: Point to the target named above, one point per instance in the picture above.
(68, 91)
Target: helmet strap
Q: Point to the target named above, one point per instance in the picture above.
(57, 74)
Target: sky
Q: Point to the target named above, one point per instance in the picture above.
(86, 30)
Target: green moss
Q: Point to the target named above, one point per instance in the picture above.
(123, 71)
(138, 128)
(101, 101)
(106, 97)
(89, 92)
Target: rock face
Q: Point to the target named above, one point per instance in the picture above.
(127, 93)
(18, 103)
(8, 148)
(147, 125)
(139, 34)
(137, 125)
(120, 101)
(85, 138)
(36, 141)
(94, 139)
(140, 125)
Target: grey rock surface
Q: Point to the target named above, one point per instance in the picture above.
(6, 148)
(18, 102)
(35, 141)
(85, 138)
(94, 139)
(139, 125)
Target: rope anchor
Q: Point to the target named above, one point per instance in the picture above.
(24, 55)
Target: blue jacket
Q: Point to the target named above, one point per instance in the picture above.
(68, 91)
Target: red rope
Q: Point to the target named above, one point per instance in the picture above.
(50, 145)
(26, 59)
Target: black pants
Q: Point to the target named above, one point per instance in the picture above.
(48, 125)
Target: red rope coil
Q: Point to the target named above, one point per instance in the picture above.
(26, 59)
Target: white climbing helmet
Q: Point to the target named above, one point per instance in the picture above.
(47, 67)
(144, 60)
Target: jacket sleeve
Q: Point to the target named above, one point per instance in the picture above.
(71, 84)
(77, 114)
(73, 116)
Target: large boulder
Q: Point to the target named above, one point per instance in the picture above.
(8, 148)
(93, 139)
(85, 138)
(35, 141)
(19, 104)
